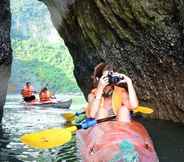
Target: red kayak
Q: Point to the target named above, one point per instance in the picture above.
(51, 103)
(115, 141)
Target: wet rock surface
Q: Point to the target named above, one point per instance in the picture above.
(5, 50)
(143, 38)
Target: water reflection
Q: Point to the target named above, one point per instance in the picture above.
(6, 154)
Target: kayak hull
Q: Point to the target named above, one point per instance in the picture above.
(53, 103)
(114, 141)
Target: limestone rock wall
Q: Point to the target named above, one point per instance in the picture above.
(5, 51)
(143, 38)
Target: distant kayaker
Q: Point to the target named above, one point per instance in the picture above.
(45, 94)
(27, 92)
(112, 93)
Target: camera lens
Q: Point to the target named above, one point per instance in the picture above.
(114, 79)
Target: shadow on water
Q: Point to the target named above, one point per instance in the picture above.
(168, 139)
(5, 154)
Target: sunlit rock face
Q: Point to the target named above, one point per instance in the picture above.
(143, 38)
(5, 50)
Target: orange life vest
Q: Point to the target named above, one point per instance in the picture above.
(45, 96)
(27, 91)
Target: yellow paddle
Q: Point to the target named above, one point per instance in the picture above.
(141, 109)
(57, 136)
(71, 116)
(47, 138)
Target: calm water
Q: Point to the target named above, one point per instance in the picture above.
(18, 119)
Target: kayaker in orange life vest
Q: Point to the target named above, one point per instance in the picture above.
(27, 92)
(106, 98)
(45, 95)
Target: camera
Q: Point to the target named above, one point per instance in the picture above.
(114, 79)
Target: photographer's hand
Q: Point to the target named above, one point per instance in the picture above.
(95, 101)
(131, 91)
(126, 79)
(104, 81)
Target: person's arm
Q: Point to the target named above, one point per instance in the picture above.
(22, 91)
(95, 101)
(51, 95)
(40, 94)
(133, 101)
(48, 94)
(32, 89)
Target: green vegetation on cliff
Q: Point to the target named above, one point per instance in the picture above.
(43, 63)
(40, 55)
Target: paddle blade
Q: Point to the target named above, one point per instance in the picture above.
(72, 129)
(69, 116)
(48, 138)
(144, 110)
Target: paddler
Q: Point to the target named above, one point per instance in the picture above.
(45, 95)
(27, 92)
(112, 93)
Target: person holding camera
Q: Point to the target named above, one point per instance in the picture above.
(112, 94)
(121, 140)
